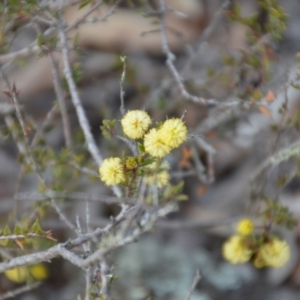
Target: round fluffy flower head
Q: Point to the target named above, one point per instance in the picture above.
(155, 145)
(236, 251)
(174, 132)
(111, 171)
(135, 123)
(259, 262)
(245, 227)
(157, 174)
(275, 253)
(17, 275)
(39, 271)
(131, 162)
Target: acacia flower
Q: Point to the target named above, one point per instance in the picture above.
(131, 162)
(245, 227)
(275, 253)
(135, 123)
(111, 171)
(157, 174)
(259, 262)
(174, 132)
(17, 275)
(236, 251)
(155, 145)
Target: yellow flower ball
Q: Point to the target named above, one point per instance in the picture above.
(236, 251)
(111, 171)
(131, 162)
(39, 271)
(275, 253)
(157, 174)
(155, 145)
(17, 275)
(174, 132)
(135, 123)
(245, 227)
(259, 262)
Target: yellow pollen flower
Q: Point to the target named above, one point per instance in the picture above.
(259, 262)
(131, 162)
(17, 275)
(155, 145)
(236, 251)
(275, 253)
(157, 175)
(111, 171)
(174, 132)
(245, 227)
(39, 271)
(22, 274)
(135, 123)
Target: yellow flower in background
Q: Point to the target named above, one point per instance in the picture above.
(275, 253)
(39, 271)
(21, 274)
(111, 171)
(174, 132)
(259, 262)
(17, 275)
(236, 251)
(155, 145)
(245, 227)
(135, 123)
(157, 174)
(131, 162)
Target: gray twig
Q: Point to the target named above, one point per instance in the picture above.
(196, 279)
(84, 123)
(61, 100)
(170, 63)
(122, 93)
(21, 290)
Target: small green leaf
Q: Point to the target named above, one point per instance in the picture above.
(84, 3)
(6, 230)
(181, 198)
(40, 40)
(36, 228)
(18, 230)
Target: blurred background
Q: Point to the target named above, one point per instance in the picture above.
(225, 171)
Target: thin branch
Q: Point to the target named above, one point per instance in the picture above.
(170, 63)
(282, 155)
(62, 216)
(61, 100)
(196, 279)
(47, 121)
(25, 52)
(87, 283)
(116, 242)
(84, 123)
(122, 93)
(62, 249)
(84, 170)
(208, 31)
(129, 143)
(82, 18)
(119, 241)
(104, 280)
(25, 150)
(21, 290)
(34, 48)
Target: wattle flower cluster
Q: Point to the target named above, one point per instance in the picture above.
(157, 143)
(161, 141)
(263, 251)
